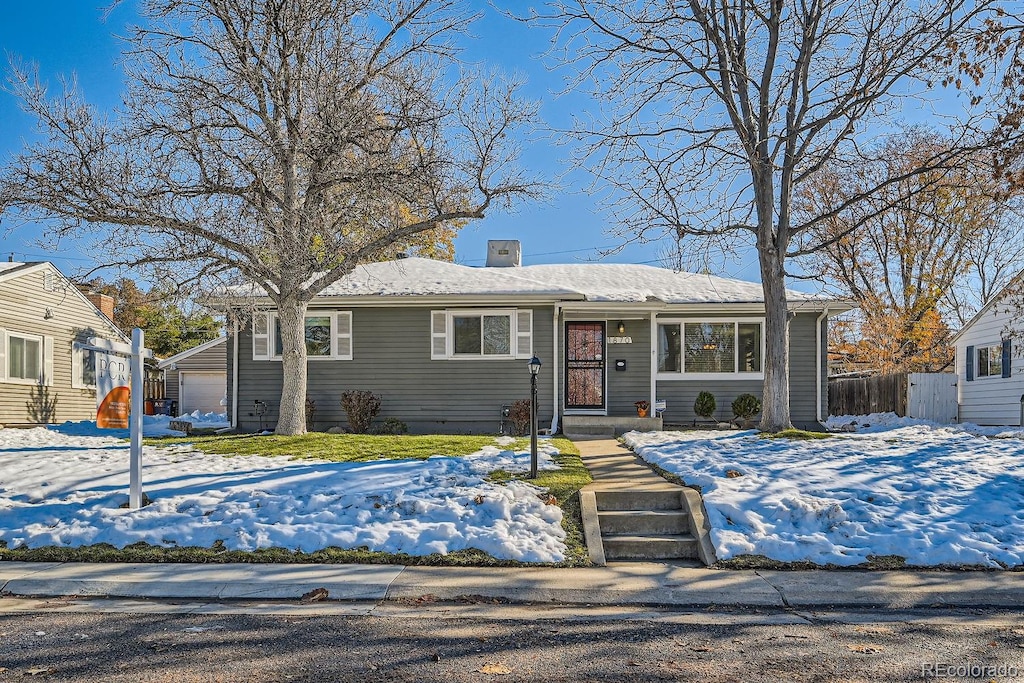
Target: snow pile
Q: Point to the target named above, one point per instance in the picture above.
(152, 425)
(931, 494)
(58, 488)
(865, 424)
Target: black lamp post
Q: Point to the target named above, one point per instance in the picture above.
(534, 366)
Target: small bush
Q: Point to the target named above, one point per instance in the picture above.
(310, 414)
(391, 426)
(705, 405)
(519, 416)
(746, 406)
(361, 407)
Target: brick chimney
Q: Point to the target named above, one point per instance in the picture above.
(103, 302)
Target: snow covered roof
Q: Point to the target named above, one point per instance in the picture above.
(422, 276)
(622, 282)
(592, 282)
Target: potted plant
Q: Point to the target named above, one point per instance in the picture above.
(642, 408)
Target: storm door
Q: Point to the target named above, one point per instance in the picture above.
(584, 366)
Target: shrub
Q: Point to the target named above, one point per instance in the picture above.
(746, 406)
(361, 407)
(310, 414)
(391, 425)
(519, 416)
(705, 405)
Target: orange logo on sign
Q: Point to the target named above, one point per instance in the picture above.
(113, 411)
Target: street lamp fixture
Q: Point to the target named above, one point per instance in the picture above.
(534, 366)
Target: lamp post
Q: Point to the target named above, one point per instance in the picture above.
(534, 366)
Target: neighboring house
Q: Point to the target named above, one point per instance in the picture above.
(990, 374)
(446, 345)
(197, 379)
(47, 366)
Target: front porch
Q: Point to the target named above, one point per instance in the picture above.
(606, 425)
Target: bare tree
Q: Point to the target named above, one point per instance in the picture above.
(913, 253)
(286, 141)
(716, 112)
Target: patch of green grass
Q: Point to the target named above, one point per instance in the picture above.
(797, 434)
(873, 563)
(335, 447)
(143, 552)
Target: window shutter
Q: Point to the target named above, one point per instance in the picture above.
(343, 335)
(47, 378)
(1006, 357)
(260, 336)
(524, 334)
(969, 365)
(438, 335)
(3, 354)
(76, 367)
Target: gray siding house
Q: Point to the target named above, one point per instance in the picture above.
(47, 365)
(446, 346)
(196, 379)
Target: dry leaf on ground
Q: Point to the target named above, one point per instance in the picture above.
(495, 668)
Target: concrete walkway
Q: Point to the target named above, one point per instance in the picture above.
(614, 466)
(631, 583)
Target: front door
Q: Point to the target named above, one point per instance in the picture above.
(584, 366)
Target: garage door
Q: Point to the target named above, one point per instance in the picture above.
(202, 391)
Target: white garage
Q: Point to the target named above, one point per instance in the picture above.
(197, 379)
(202, 391)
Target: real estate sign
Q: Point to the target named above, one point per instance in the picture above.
(113, 391)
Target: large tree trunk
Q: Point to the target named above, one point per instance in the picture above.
(292, 414)
(775, 409)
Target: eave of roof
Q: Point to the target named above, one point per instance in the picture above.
(188, 353)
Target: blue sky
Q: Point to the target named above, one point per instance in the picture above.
(67, 37)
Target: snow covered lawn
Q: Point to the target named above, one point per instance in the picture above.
(935, 495)
(64, 489)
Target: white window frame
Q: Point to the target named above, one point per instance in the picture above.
(341, 335)
(77, 361)
(520, 331)
(998, 348)
(736, 374)
(42, 379)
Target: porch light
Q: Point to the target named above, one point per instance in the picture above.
(534, 366)
(622, 327)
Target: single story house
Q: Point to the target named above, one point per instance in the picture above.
(990, 382)
(47, 365)
(446, 346)
(197, 379)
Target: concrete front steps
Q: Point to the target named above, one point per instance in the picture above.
(590, 426)
(632, 513)
(644, 525)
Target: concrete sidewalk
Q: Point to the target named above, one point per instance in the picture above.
(627, 583)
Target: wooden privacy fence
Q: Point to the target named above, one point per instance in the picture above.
(865, 395)
(925, 395)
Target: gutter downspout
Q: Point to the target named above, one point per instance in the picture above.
(234, 374)
(555, 363)
(817, 365)
(654, 363)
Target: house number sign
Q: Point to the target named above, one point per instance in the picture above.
(620, 340)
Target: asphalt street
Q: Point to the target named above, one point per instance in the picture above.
(423, 639)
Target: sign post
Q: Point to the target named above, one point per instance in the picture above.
(119, 397)
(135, 467)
